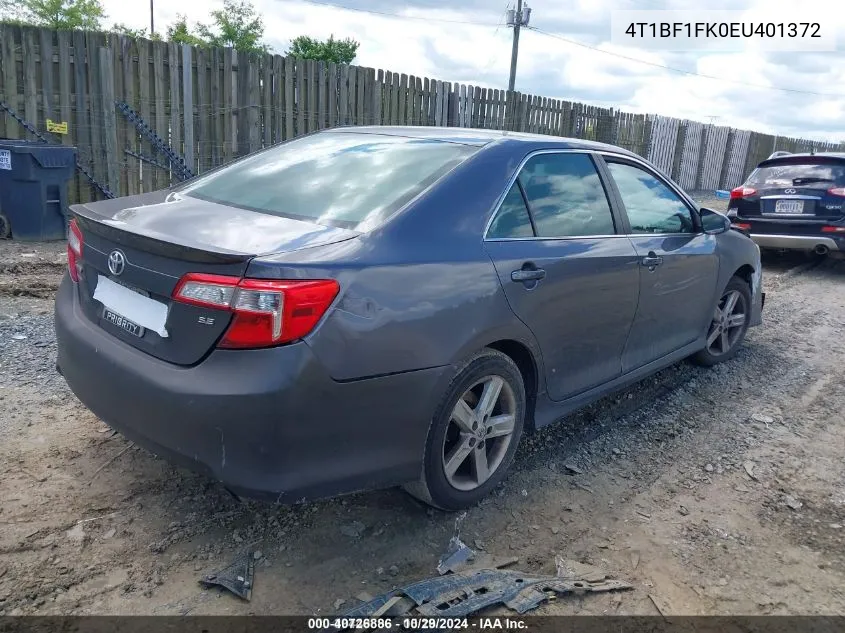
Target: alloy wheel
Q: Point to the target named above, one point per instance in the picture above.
(728, 323)
(480, 431)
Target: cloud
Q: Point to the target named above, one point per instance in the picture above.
(424, 42)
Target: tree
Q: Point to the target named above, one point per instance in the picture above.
(56, 14)
(122, 29)
(180, 33)
(330, 50)
(237, 25)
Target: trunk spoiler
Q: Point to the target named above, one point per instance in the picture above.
(152, 242)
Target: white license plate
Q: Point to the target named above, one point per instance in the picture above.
(123, 323)
(789, 206)
(131, 306)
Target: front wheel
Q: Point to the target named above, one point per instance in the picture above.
(474, 433)
(729, 325)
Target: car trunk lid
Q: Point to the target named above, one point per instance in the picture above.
(136, 249)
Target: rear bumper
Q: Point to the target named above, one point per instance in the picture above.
(266, 423)
(798, 242)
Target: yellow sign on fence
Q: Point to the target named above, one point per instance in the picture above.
(57, 128)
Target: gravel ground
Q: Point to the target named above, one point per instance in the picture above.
(711, 491)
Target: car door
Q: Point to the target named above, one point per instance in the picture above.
(568, 272)
(678, 263)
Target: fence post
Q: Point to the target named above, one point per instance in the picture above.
(109, 119)
(188, 105)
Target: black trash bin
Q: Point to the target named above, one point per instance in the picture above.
(33, 188)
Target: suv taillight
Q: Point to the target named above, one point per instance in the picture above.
(742, 192)
(74, 250)
(837, 191)
(266, 312)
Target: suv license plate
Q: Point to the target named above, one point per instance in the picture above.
(789, 206)
(123, 323)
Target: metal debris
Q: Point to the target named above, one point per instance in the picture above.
(749, 470)
(793, 503)
(573, 469)
(237, 577)
(463, 594)
(456, 558)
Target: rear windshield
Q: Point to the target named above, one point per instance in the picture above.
(350, 180)
(810, 174)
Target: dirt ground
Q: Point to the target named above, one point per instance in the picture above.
(711, 491)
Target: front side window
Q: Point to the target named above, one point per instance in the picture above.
(652, 206)
(347, 179)
(565, 196)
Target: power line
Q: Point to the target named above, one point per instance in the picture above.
(494, 55)
(680, 70)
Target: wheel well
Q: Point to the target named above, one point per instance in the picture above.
(524, 360)
(745, 273)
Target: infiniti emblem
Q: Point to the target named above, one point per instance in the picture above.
(789, 191)
(117, 261)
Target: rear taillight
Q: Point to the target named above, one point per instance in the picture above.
(833, 229)
(742, 192)
(74, 250)
(266, 312)
(837, 191)
(742, 226)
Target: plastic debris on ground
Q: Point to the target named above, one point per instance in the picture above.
(463, 589)
(237, 577)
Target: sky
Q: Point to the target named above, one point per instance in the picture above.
(467, 41)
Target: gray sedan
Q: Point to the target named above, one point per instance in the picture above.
(369, 307)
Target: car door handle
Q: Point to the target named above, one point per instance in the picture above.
(528, 274)
(651, 260)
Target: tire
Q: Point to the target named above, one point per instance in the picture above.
(451, 434)
(5, 228)
(715, 353)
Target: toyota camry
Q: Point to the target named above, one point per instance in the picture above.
(369, 307)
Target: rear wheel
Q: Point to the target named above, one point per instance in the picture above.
(729, 325)
(474, 433)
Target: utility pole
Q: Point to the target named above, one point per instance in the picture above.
(516, 19)
(152, 19)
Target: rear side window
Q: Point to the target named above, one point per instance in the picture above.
(350, 180)
(512, 220)
(565, 196)
(814, 175)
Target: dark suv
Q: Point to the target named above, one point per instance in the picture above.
(794, 202)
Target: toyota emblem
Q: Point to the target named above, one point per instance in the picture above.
(789, 191)
(117, 261)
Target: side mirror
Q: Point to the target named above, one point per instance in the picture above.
(714, 222)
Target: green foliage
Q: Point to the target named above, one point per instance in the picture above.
(236, 25)
(122, 29)
(330, 50)
(55, 14)
(180, 33)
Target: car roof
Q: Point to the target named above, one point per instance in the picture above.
(791, 158)
(480, 138)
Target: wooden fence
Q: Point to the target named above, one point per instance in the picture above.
(214, 105)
